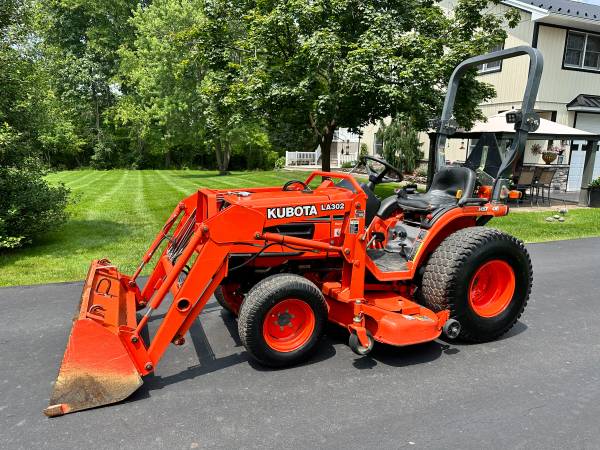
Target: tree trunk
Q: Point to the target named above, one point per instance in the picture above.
(97, 113)
(326, 142)
(222, 151)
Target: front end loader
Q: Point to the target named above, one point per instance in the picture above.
(285, 260)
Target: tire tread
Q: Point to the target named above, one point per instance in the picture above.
(441, 272)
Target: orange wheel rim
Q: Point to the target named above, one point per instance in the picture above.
(289, 325)
(492, 288)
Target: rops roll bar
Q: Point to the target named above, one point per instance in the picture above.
(525, 122)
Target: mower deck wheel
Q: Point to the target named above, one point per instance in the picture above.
(356, 346)
(282, 319)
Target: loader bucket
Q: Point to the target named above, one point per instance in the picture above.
(96, 368)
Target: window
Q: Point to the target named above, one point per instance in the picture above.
(495, 66)
(582, 50)
(378, 144)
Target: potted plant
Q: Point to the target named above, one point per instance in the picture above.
(550, 154)
(594, 193)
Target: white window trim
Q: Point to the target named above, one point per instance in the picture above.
(583, 52)
(485, 68)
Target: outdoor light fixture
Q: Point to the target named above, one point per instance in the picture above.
(513, 116)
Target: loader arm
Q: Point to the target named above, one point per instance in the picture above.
(106, 354)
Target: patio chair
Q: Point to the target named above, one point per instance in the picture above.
(544, 181)
(525, 180)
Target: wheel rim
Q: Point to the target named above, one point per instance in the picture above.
(289, 325)
(492, 288)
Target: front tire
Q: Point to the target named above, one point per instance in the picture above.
(484, 277)
(282, 319)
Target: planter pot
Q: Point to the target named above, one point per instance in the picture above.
(594, 198)
(549, 157)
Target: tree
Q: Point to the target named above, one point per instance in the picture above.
(401, 146)
(28, 120)
(346, 63)
(182, 67)
(79, 41)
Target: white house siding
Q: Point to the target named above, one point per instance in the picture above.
(559, 85)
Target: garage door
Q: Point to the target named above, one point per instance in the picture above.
(591, 123)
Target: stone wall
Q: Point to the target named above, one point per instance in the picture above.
(559, 182)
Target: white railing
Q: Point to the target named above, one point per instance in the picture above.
(313, 158)
(302, 158)
(351, 158)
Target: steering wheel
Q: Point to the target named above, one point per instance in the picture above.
(287, 185)
(375, 177)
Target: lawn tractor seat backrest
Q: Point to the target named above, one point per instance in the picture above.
(373, 203)
(444, 187)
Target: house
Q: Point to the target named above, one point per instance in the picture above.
(567, 32)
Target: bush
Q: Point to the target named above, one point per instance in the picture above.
(103, 157)
(421, 172)
(29, 206)
(280, 163)
(348, 164)
(595, 184)
(364, 150)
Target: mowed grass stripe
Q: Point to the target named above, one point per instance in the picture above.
(66, 178)
(76, 179)
(96, 178)
(106, 195)
(175, 186)
(161, 198)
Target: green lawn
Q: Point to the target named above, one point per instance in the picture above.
(117, 213)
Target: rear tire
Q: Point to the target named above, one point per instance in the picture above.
(282, 319)
(484, 277)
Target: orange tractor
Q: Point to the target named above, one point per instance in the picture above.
(286, 260)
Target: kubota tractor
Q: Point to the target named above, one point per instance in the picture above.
(285, 260)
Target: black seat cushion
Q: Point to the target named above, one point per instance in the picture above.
(444, 186)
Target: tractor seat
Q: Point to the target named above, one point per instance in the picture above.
(444, 186)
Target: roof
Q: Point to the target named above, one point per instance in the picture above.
(584, 102)
(569, 8)
(567, 13)
(547, 129)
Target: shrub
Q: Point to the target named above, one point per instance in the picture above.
(271, 158)
(595, 184)
(348, 164)
(364, 150)
(103, 157)
(280, 163)
(421, 172)
(29, 206)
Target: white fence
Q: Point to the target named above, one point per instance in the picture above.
(314, 158)
(343, 159)
(303, 158)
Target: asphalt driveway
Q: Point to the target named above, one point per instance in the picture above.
(539, 387)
